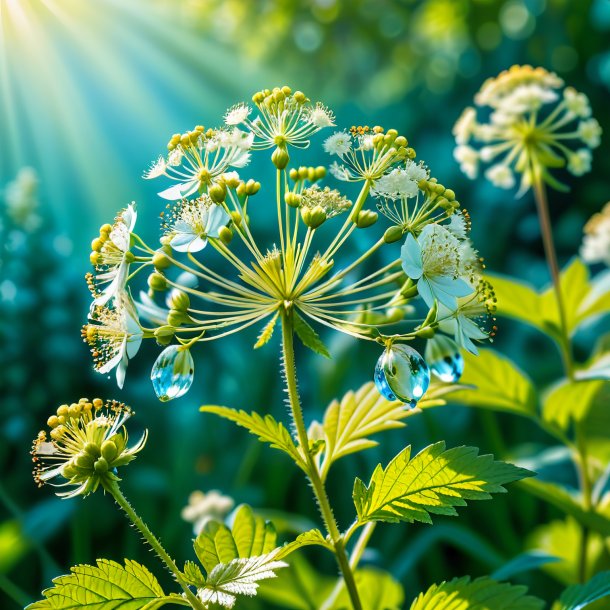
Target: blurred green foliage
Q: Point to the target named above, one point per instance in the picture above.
(90, 93)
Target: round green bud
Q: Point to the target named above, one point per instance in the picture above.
(280, 158)
(236, 218)
(294, 174)
(92, 449)
(95, 258)
(320, 172)
(85, 461)
(164, 335)
(410, 153)
(392, 234)
(394, 314)
(160, 260)
(252, 187)
(62, 410)
(231, 182)
(130, 257)
(53, 422)
(450, 194)
(179, 300)
(400, 141)
(425, 333)
(176, 318)
(241, 189)
(157, 282)
(303, 172)
(366, 218)
(101, 466)
(226, 235)
(299, 97)
(313, 218)
(109, 451)
(292, 199)
(96, 244)
(217, 192)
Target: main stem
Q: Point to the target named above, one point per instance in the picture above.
(122, 501)
(566, 353)
(312, 469)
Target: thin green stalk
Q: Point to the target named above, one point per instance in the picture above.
(587, 493)
(551, 258)
(157, 547)
(312, 469)
(355, 556)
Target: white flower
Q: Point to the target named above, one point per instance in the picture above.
(527, 98)
(416, 171)
(458, 225)
(590, 132)
(190, 223)
(320, 116)
(340, 143)
(237, 114)
(204, 507)
(433, 259)
(468, 158)
(340, 172)
(156, 169)
(579, 163)
(395, 185)
(114, 335)
(596, 243)
(577, 103)
(465, 126)
(500, 175)
(112, 256)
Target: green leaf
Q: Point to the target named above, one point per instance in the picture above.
(267, 332)
(498, 383)
(265, 427)
(348, 423)
(192, 574)
(308, 336)
(568, 503)
(434, 481)
(480, 594)
(580, 596)
(377, 590)
(570, 401)
(524, 562)
(250, 536)
(312, 537)
(107, 586)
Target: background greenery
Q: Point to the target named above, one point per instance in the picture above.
(90, 92)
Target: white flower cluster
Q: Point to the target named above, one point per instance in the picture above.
(534, 124)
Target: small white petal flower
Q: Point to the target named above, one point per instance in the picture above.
(458, 225)
(527, 98)
(340, 143)
(468, 158)
(416, 171)
(577, 103)
(156, 169)
(596, 243)
(205, 507)
(398, 184)
(237, 114)
(579, 163)
(590, 132)
(320, 116)
(500, 175)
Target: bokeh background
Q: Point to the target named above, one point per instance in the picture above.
(89, 94)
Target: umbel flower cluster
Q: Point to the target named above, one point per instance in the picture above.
(527, 124)
(210, 275)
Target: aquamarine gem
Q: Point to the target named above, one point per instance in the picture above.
(172, 373)
(402, 374)
(444, 358)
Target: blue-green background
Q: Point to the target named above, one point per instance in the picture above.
(90, 92)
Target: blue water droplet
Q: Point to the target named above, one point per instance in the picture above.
(402, 374)
(444, 358)
(172, 373)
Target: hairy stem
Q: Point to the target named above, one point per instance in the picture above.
(312, 469)
(157, 547)
(551, 259)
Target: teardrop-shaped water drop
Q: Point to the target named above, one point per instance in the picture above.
(172, 373)
(402, 374)
(444, 358)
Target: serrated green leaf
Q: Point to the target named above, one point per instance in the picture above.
(107, 586)
(498, 383)
(570, 401)
(577, 597)
(312, 537)
(479, 594)
(192, 574)
(435, 481)
(250, 536)
(266, 428)
(349, 422)
(308, 336)
(267, 332)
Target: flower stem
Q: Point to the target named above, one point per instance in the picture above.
(551, 259)
(157, 547)
(312, 469)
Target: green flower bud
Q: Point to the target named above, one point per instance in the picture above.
(320, 172)
(176, 318)
(157, 282)
(292, 199)
(217, 192)
(392, 234)
(425, 333)
(236, 218)
(160, 260)
(101, 466)
(164, 334)
(92, 449)
(280, 158)
(179, 300)
(252, 187)
(366, 218)
(225, 235)
(313, 217)
(109, 451)
(294, 174)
